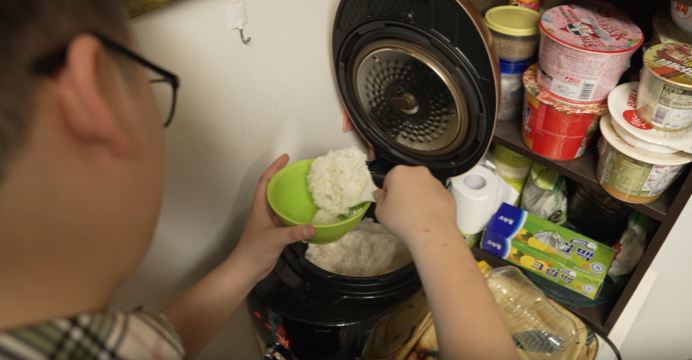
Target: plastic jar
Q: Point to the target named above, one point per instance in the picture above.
(631, 174)
(512, 89)
(584, 50)
(512, 167)
(665, 90)
(515, 31)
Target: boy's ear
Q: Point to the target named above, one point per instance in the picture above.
(88, 90)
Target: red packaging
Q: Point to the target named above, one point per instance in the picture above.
(554, 128)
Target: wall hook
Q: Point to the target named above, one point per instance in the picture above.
(237, 18)
(243, 38)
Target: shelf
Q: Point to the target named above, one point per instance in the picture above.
(581, 170)
(593, 316)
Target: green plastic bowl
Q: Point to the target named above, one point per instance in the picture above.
(289, 197)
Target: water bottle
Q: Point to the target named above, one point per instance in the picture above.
(538, 328)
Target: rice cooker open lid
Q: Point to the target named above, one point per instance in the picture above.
(419, 81)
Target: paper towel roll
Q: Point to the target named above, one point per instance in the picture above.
(478, 195)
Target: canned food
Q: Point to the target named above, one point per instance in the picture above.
(584, 50)
(665, 91)
(553, 128)
(631, 174)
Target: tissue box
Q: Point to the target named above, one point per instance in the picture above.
(560, 255)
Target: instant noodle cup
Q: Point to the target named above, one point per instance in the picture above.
(665, 30)
(554, 128)
(665, 90)
(631, 174)
(534, 5)
(682, 15)
(627, 122)
(584, 50)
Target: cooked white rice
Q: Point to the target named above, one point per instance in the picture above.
(324, 217)
(369, 250)
(339, 181)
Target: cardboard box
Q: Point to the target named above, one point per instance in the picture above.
(560, 255)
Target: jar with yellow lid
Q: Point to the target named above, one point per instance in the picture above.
(515, 31)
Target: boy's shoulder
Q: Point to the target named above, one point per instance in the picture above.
(109, 335)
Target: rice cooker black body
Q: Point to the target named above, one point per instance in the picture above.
(302, 312)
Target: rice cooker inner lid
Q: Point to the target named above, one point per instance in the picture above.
(409, 98)
(419, 81)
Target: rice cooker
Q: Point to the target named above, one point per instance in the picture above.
(420, 83)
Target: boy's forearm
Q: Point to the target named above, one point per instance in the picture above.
(201, 311)
(468, 322)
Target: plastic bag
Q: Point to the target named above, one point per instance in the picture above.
(630, 247)
(545, 194)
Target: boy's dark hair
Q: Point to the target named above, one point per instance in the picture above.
(30, 29)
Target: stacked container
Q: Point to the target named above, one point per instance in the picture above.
(583, 53)
(637, 161)
(515, 38)
(553, 127)
(647, 139)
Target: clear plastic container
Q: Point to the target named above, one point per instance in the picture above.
(537, 327)
(514, 30)
(511, 90)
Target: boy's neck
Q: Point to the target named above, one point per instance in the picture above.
(48, 268)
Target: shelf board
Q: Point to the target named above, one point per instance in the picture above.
(593, 316)
(581, 170)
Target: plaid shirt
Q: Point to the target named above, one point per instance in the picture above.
(115, 335)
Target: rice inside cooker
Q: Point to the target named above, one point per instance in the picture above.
(369, 250)
(339, 181)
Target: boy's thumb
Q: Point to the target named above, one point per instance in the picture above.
(378, 195)
(293, 234)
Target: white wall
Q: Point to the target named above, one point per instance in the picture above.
(663, 328)
(240, 107)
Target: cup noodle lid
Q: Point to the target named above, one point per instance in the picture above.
(622, 103)
(593, 29)
(674, 159)
(639, 143)
(671, 62)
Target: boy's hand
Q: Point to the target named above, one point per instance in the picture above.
(263, 237)
(412, 202)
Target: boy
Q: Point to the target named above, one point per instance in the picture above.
(81, 173)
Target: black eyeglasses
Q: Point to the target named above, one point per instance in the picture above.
(164, 83)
